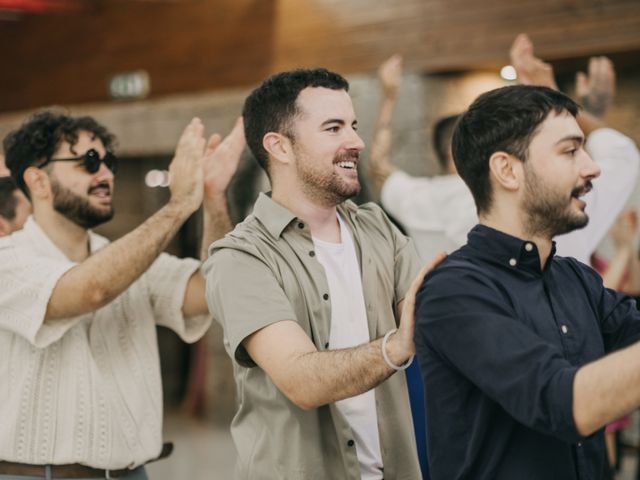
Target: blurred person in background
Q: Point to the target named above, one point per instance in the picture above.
(438, 211)
(14, 206)
(622, 273)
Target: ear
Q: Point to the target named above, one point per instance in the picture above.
(37, 181)
(506, 170)
(277, 146)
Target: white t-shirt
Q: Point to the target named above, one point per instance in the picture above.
(349, 329)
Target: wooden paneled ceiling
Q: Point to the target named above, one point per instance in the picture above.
(197, 45)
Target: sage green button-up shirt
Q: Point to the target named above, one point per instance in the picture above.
(266, 271)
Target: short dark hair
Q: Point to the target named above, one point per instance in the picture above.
(505, 119)
(39, 137)
(441, 138)
(272, 106)
(8, 200)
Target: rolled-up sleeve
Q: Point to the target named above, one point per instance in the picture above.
(167, 280)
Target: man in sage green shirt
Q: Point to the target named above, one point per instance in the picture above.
(307, 289)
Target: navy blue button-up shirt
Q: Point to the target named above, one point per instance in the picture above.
(499, 341)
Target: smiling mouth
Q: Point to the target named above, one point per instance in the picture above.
(349, 164)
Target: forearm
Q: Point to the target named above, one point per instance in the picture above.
(606, 389)
(380, 165)
(216, 222)
(319, 378)
(106, 274)
(385, 115)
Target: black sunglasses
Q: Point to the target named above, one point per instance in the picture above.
(91, 161)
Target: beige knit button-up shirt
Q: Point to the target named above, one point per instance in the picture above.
(266, 271)
(86, 389)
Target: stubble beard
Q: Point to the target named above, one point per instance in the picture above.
(328, 189)
(549, 213)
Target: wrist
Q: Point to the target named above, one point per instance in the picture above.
(215, 196)
(395, 354)
(390, 93)
(182, 205)
(215, 203)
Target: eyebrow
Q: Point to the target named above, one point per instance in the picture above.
(339, 121)
(572, 138)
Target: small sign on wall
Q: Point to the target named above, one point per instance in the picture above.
(133, 85)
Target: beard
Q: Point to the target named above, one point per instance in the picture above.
(329, 189)
(549, 212)
(77, 208)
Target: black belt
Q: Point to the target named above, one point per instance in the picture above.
(74, 470)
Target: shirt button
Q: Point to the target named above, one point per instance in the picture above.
(528, 247)
(300, 225)
(579, 444)
(312, 253)
(350, 443)
(325, 296)
(564, 329)
(513, 262)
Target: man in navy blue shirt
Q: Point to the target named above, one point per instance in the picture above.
(525, 356)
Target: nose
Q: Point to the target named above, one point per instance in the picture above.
(588, 168)
(355, 142)
(104, 173)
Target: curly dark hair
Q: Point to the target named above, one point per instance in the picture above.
(40, 136)
(272, 106)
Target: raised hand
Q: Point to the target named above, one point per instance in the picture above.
(221, 160)
(597, 89)
(390, 75)
(531, 70)
(185, 170)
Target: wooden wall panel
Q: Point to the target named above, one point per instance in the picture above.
(185, 46)
(200, 45)
(449, 35)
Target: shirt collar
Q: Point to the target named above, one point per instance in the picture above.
(276, 218)
(505, 249)
(46, 245)
(272, 215)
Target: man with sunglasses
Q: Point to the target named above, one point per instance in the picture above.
(80, 390)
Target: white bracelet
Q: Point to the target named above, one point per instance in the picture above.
(405, 365)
